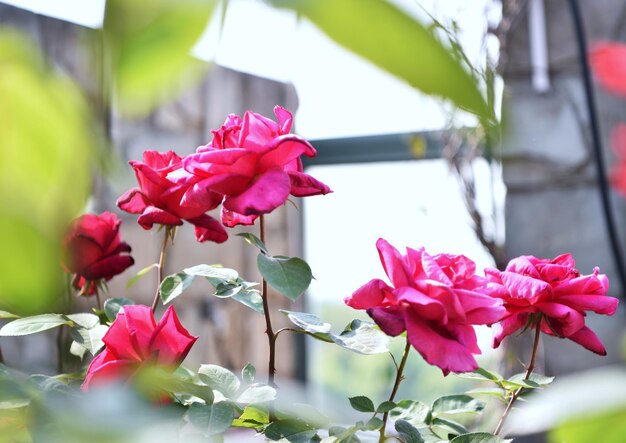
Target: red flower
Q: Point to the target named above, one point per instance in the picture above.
(94, 250)
(255, 164)
(557, 291)
(134, 339)
(608, 61)
(436, 299)
(158, 198)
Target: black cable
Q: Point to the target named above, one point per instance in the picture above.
(597, 144)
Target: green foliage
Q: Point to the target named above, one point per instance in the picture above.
(113, 305)
(90, 338)
(149, 43)
(414, 412)
(47, 144)
(408, 432)
(290, 276)
(254, 241)
(173, 285)
(211, 419)
(457, 404)
(362, 404)
(257, 394)
(248, 373)
(479, 437)
(140, 274)
(292, 430)
(392, 40)
(608, 427)
(219, 379)
(253, 416)
(33, 325)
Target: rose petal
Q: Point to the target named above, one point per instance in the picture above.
(303, 185)
(152, 216)
(208, 229)
(565, 320)
(369, 295)
(141, 325)
(589, 340)
(393, 264)
(267, 193)
(108, 267)
(231, 219)
(133, 201)
(171, 342)
(106, 369)
(390, 320)
(508, 326)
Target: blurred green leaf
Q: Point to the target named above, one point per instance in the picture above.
(211, 419)
(220, 379)
(113, 305)
(289, 276)
(481, 374)
(174, 285)
(362, 337)
(84, 320)
(140, 274)
(457, 404)
(386, 36)
(253, 416)
(47, 143)
(479, 437)
(149, 43)
(535, 380)
(408, 432)
(33, 325)
(212, 272)
(292, 430)
(90, 339)
(257, 394)
(415, 412)
(449, 426)
(308, 322)
(248, 373)
(608, 427)
(254, 241)
(385, 406)
(362, 404)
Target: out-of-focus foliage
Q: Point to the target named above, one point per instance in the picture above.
(45, 145)
(608, 428)
(149, 44)
(389, 38)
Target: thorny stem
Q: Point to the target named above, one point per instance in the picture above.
(271, 337)
(529, 371)
(166, 236)
(396, 385)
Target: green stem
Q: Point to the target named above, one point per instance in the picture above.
(271, 337)
(394, 391)
(529, 371)
(166, 236)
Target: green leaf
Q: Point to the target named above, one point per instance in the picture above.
(536, 380)
(608, 426)
(415, 412)
(373, 424)
(481, 374)
(254, 241)
(479, 437)
(211, 419)
(150, 50)
(450, 426)
(363, 338)
(380, 32)
(408, 432)
(253, 416)
(250, 298)
(78, 350)
(248, 373)
(32, 325)
(113, 305)
(308, 322)
(174, 285)
(212, 272)
(362, 404)
(257, 394)
(457, 404)
(289, 276)
(220, 379)
(292, 430)
(385, 406)
(140, 274)
(84, 320)
(496, 392)
(90, 339)
(239, 290)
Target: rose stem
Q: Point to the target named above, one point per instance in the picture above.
(529, 371)
(394, 391)
(1, 358)
(166, 236)
(268, 320)
(60, 350)
(98, 303)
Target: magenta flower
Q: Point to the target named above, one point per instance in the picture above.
(134, 339)
(158, 198)
(436, 299)
(94, 251)
(255, 164)
(608, 61)
(558, 292)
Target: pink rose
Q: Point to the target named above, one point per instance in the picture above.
(94, 250)
(255, 164)
(162, 184)
(608, 61)
(134, 339)
(557, 291)
(436, 299)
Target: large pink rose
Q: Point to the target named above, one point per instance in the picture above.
(135, 339)
(255, 164)
(608, 61)
(436, 299)
(162, 185)
(555, 292)
(94, 250)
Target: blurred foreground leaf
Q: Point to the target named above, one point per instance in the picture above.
(46, 144)
(150, 43)
(397, 43)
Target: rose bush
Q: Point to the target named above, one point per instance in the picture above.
(254, 163)
(436, 299)
(161, 189)
(94, 251)
(553, 293)
(135, 339)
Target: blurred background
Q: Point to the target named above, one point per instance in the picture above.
(86, 86)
